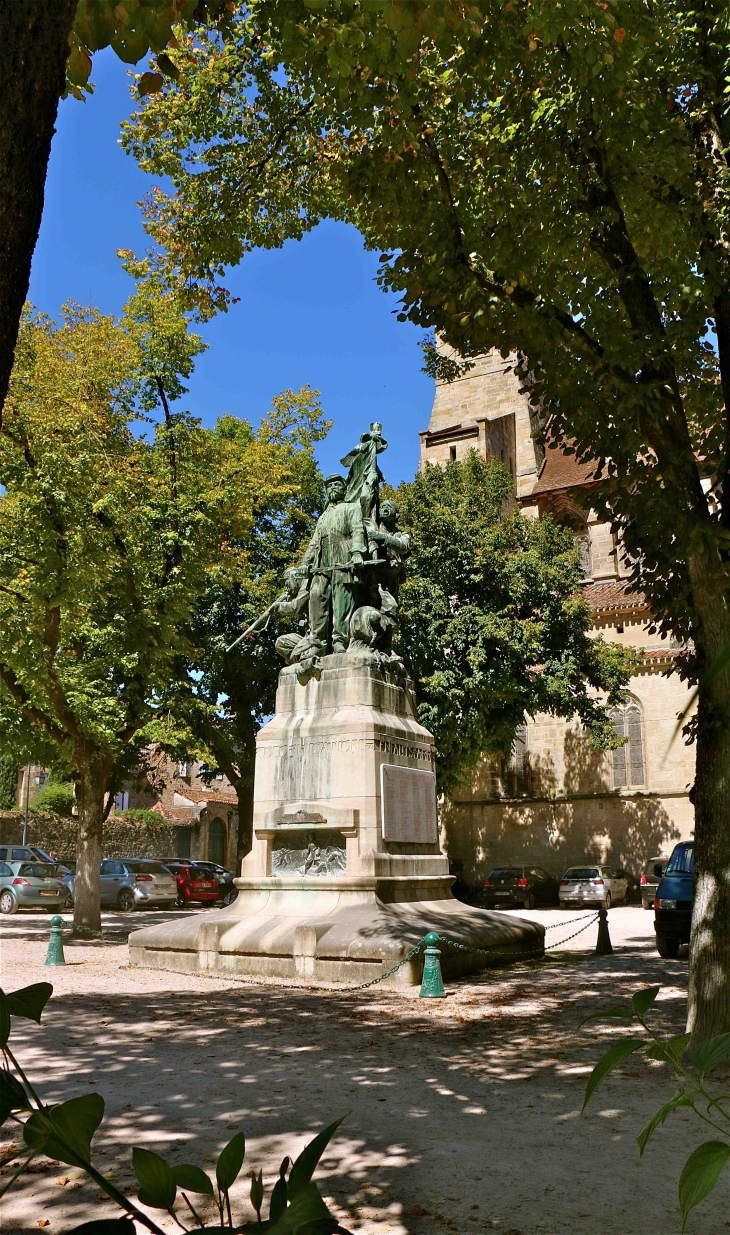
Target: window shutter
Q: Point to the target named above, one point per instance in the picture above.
(620, 777)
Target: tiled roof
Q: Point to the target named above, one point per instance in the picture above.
(613, 595)
(562, 471)
(207, 795)
(176, 814)
(659, 655)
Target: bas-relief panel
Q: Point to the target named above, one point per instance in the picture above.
(316, 853)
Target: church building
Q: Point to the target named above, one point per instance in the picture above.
(554, 801)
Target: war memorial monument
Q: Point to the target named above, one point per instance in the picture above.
(345, 873)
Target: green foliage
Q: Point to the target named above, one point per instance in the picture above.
(59, 799)
(550, 190)
(8, 781)
(65, 1132)
(493, 625)
(704, 1166)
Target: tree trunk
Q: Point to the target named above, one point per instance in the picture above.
(244, 791)
(90, 790)
(709, 976)
(33, 52)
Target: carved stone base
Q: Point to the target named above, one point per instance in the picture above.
(343, 765)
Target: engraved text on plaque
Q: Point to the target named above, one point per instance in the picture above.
(409, 804)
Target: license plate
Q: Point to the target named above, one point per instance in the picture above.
(501, 893)
(48, 892)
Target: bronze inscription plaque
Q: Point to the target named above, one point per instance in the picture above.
(408, 804)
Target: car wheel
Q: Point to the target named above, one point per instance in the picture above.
(125, 900)
(69, 901)
(8, 903)
(607, 902)
(230, 896)
(667, 947)
(530, 901)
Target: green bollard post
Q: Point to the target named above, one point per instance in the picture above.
(603, 943)
(54, 955)
(432, 986)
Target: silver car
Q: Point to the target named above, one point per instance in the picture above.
(131, 883)
(30, 885)
(593, 885)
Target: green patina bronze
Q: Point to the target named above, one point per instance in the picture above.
(54, 955)
(603, 943)
(432, 985)
(345, 591)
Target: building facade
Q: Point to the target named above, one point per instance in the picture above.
(204, 816)
(554, 801)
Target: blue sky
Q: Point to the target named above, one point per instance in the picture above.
(310, 312)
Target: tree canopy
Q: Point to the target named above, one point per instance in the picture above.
(493, 623)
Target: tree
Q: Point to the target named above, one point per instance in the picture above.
(45, 53)
(109, 536)
(547, 179)
(8, 781)
(493, 623)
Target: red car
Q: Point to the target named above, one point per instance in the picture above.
(193, 882)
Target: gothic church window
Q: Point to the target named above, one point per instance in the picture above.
(516, 767)
(628, 760)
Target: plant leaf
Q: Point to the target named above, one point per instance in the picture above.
(711, 1053)
(12, 1095)
(670, 1051)
(30, 1001)
(624, 1013)
(156, 1184)
(4, 1019)
(701, 1173)
(192, 1179)
(679, 1099)
(277, 1204)
(642, 1000)
(306, 1207)
(613, 1057)
(306, 1164)
(229, 1164)
(76, 1120)
(105, 1226)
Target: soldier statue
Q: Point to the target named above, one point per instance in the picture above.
(349, 578)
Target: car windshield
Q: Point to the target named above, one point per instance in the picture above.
(145, 868)
(581, 872)
(35, 870)
(682, 861)
(506, 874)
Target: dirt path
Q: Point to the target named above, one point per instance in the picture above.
(465, 1113)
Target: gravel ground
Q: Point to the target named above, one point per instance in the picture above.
(464, 1112)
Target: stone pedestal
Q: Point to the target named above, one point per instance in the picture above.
(345, 873)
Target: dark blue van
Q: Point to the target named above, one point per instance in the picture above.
(673, 904)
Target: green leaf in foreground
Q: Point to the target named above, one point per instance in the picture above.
(12, 1095)
(712, 1053)
(76, 1121)
(192, 1179)
(610, 1060)
(670, 1051)
(679, 1099)
(306, 1164)
(642, 1000)
(105, 1226)
(156, 1184)
(4, 1019)
(701, 1173)
(30, 1001)
(307, 1207)
(228, 1166)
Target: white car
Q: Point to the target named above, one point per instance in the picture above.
(593, 885)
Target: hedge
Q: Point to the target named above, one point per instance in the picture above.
(147, 837)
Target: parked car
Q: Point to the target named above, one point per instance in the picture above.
(593, 885)
(651, 877)
(194, 884)
(520, 885)
(223, 876)
(673, 900)
(128, 883)
(30, 885)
